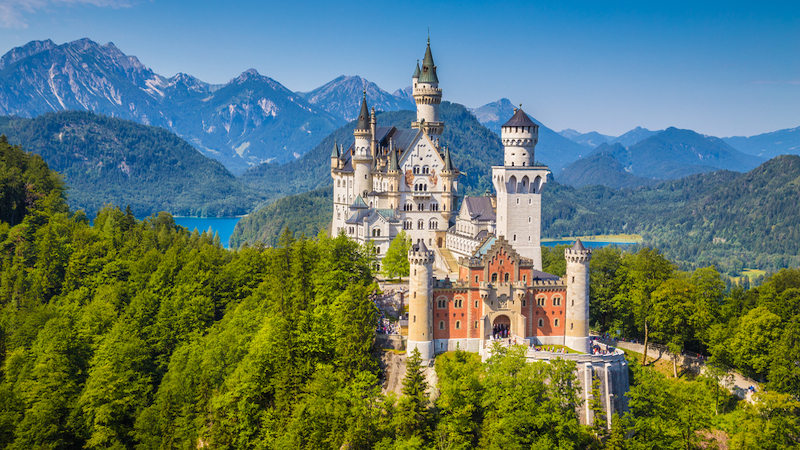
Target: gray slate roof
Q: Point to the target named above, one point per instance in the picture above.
(480, 208)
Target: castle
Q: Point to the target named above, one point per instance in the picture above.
(394, 180)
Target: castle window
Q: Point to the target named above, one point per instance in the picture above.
(529, 220)
(421, 207)
(524, 303)
(476, 278)
(540, 301)
(441, 324)
(524, 278)
(494, 278)
(434, 225)
(416, 170)
(556, 301)
(506, 278)
(573, 279)
(571, 325)
(377, 251)
(476, 303)
(458, 324)
(541, 323)
(415, 319)
(518, 201)
(421, 225)
(573, 303)
(514, 238)
(459, 303)
(441, 303)
(407, 225)
(476, 324)
(555, 323)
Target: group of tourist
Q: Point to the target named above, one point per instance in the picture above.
(500, 331)
(386, 326)
(549, 348)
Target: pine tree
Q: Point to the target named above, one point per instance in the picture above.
(412, 410)
(598, 412)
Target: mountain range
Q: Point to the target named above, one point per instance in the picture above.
(768, 145)
(670, 154)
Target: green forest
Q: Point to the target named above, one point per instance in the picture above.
(132, 334)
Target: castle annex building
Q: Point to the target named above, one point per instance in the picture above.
(394, 180)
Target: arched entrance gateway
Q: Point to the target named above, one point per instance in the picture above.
(501, 327)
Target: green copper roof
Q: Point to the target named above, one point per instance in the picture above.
(363, 116)
(448, 163)
(416, 71)
(428, 74)
(359, 203)
(394, 166)
(335, 152)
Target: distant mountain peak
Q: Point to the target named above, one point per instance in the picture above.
(342, 97)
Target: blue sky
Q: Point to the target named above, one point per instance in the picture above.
(719, 68)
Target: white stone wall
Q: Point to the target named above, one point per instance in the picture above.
(519, 143)
(519, 209)
(577, 314)
(420, 304)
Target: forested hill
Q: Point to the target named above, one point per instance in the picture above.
(725, 218)
(474, 148)
(108, 160)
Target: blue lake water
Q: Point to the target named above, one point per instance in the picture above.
(590, 244)
(222, 225)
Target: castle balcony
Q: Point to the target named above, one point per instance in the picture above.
(421, 194)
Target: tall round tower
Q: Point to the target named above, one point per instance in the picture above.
(420, 308)
(519, 136)
(577, 332)
(362, 156)
(427, 95)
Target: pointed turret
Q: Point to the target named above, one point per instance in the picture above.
(335, 153)
(416, 72)
(428, 74)
(448, 162)
(363, 116)
(394, 165)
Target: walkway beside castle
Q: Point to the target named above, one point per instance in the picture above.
(742, 386)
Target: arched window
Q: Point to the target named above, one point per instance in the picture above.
(421, 207)
(458, 324)
(441, 303)
(506, 277)
(408, 225)
(555, 323)
(416, 170)
(540, 301)
(458, 303)
(494, 278)
(541, 323)
(433, 225)
(556, 301)
(421, 225)
(441, 324)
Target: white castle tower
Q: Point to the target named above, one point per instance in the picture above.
(518, 184)
(427, 95)
(420, 305)
(362, 152)
(577, 311)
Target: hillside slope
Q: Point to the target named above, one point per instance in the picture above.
(109, 160)
(602, 168)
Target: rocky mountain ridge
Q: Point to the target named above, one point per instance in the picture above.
(341, 97)
(250, 120)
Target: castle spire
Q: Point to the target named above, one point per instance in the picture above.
(416, 71)
(448, 162)
(428, 74)
(363, 116)
(335, 152)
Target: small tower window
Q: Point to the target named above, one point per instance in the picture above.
(506, 277)
(458, 324)
(541, 322)
(441, 324)
(555, 323)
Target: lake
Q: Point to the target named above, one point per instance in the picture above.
(222, 225)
